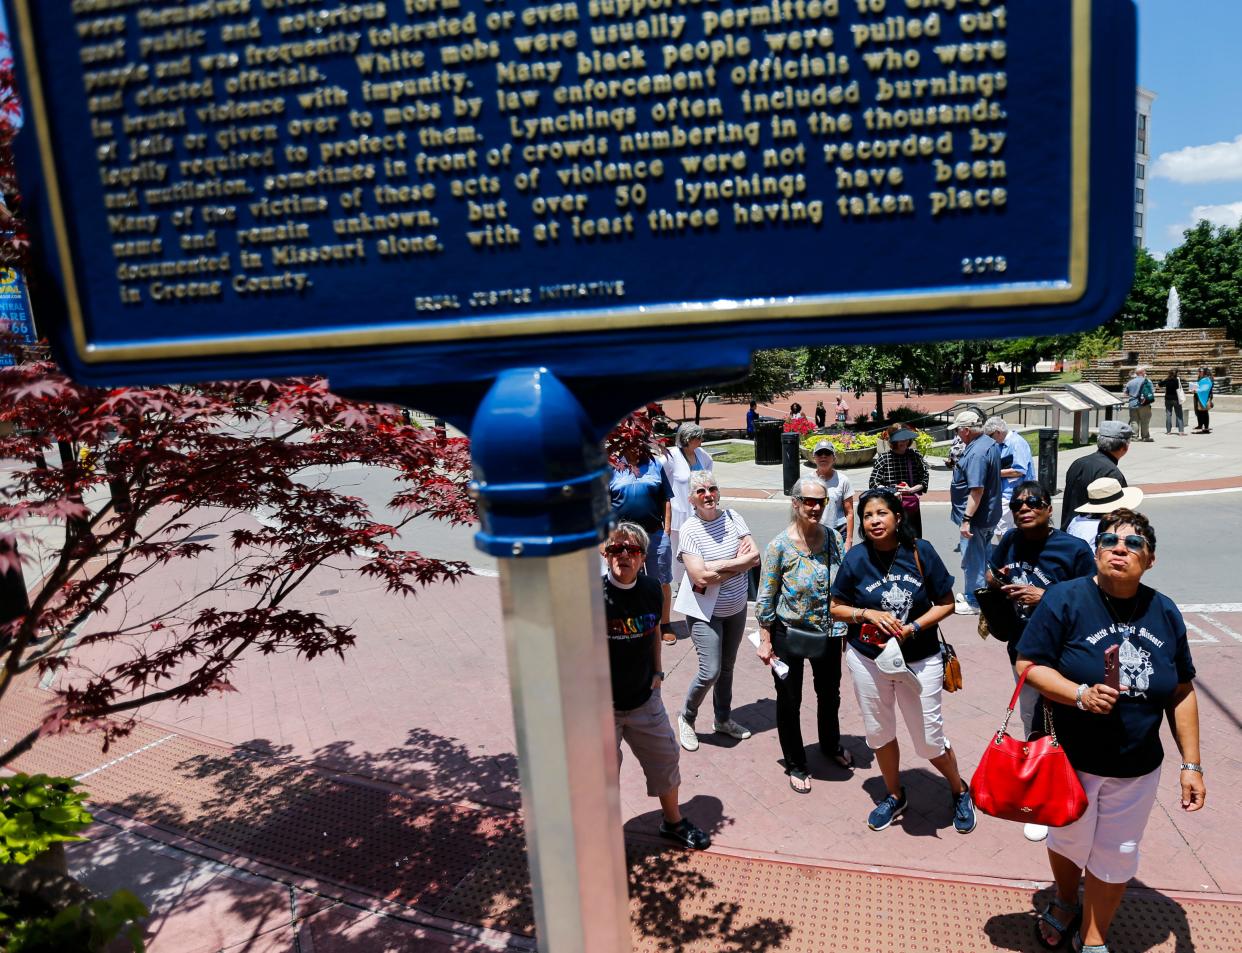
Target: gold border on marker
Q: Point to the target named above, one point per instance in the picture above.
(577, 322)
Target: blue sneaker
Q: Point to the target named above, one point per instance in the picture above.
(964, 812)
(887, 811)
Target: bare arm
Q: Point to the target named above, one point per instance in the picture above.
(713, 573)
(847, 507)
(1183, 715)
(1098, 699)
(972, 507)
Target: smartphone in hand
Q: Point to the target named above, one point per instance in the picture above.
(1112, 667)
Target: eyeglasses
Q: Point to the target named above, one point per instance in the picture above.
(811, 500)
(706, 490)
(1134, 543)
(1034, 502)
(618, 549)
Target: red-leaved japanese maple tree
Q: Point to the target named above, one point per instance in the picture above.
(161, 468)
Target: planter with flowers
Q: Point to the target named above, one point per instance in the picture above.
(853, 449)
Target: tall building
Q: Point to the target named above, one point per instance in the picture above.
(1142, 158)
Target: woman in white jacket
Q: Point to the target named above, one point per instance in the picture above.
(685, 458)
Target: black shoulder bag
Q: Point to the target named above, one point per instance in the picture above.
(811, 643)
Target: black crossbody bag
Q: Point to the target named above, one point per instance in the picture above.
(811, 643)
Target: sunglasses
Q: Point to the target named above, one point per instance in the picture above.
(618, 549)
(812, 500)
(1034, 502)
(706, 491)
(1134, 543)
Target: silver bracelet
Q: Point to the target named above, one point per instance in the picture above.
(1192, 766)
(1078, 698)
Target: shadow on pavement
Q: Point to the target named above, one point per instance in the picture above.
(1146, 920)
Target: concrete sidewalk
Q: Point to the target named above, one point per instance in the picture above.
(371, 803)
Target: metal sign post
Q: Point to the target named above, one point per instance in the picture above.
(543, 497)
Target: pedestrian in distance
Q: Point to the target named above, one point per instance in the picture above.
(1140, 395)
(686, 457)
(795, 411)
(1112, 443)
(838, 512)
(1000, 382)
(821, 415)
(751, 414)
(717, 550)
(1205, 387)
(632, 610)
(641, 493)
(843, 411)
(975, 495)
(1030, 559)
(1103, 496)
(968, 380)
(1111, 657)
(1174, 396)
(892, 592)
(905, 386)
(798, 569)
(903, 470)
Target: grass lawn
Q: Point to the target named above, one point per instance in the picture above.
(1066, 442)
(733, 452)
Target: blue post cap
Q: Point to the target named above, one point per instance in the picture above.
(541, 478)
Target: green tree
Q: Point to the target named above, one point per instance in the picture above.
(773, 374)
(871, 367)
(1207, 271)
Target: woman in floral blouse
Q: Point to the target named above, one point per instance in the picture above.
(798, 568)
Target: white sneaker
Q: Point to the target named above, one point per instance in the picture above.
(686, 734)
(962, 607)
(1034, 832)
(732, 729)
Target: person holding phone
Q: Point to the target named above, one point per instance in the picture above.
(896, 587)
(1111, 733)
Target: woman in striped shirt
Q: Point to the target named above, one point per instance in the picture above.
(717, 550)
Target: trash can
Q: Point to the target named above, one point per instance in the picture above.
(768, 432)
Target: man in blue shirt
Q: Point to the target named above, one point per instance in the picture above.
(640, 494)
(975, 494)
(1017, 467)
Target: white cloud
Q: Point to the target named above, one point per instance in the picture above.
(1230, 214)
(1218, 162)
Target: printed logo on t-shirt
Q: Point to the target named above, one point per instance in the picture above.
(1136, 669)
(897, 601)
(633, 627)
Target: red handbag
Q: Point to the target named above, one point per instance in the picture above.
(1028, 781)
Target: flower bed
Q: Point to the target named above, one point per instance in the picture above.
(856, 449)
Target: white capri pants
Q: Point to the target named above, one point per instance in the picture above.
(879, 696)
(1105, 840)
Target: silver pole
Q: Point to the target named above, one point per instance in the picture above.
(562, 711)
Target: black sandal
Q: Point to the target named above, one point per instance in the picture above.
(1064, 930)
(685, 834)
(843, 758)
(797, 774)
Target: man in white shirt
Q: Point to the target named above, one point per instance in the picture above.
(1017, 467)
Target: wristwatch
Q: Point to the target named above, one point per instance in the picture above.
(1192, 766)
(1078, 698)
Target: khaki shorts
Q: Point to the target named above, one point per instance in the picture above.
(649, 734)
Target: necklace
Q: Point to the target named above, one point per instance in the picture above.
(1128, 625)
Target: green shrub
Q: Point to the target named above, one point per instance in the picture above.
(37, 811)
(90, 927)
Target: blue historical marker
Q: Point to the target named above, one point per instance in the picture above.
(531, 217)
(15, 311)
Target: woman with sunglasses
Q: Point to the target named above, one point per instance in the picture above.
(798, 567)
(1030, 559)
(1110, 656)
(717, 550)
(896, 587)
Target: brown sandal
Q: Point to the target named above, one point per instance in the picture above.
(667, 633)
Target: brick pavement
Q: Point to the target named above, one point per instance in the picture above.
(418, 714)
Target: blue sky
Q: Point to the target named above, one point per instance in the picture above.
(1191, 58)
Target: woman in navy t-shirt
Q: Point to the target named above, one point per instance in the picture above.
(1111, 732)
(896, 587)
